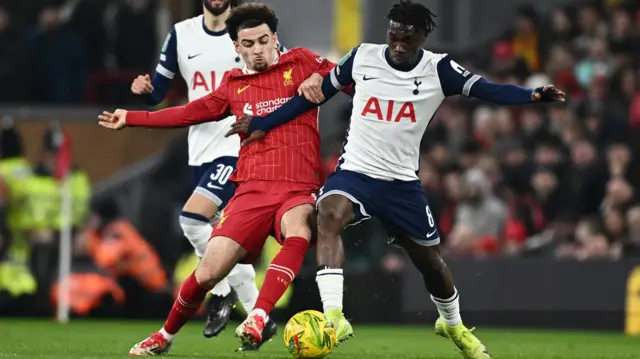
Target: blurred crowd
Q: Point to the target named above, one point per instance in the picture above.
(559, 180)
(55, 51)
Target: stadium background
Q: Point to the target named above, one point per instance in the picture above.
(538, 206)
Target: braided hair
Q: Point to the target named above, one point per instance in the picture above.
(408, 13)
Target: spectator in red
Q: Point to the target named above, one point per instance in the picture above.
(560, 68)
(506, 63)
(480, 217)
(452, 194)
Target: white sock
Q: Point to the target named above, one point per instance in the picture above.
(330, 283)
(449, 309)
(242, 279)
(166, 335)
(222, 288)
(261, 313)
(197, 230)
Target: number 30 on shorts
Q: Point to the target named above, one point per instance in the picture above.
(221, 175)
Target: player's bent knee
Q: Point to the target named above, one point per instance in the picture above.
(206, 277)
(200, 204)
(196, 229)
(221, 255)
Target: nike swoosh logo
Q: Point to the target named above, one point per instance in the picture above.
(242, 89)
(432, 233)
(212, 186)
(192, 56)
(365, 78)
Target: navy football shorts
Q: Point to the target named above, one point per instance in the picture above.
(212, 180)
(401, 206)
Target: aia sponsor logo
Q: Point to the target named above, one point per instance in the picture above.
(390, 111)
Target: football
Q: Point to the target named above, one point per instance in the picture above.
(309, 334)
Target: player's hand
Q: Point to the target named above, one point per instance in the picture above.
(254, 136)
(548, 94)
(113, 121)
(242, 127)
(311, 88)
(142, 85)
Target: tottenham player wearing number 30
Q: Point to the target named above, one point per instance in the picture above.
(277, 176)
(201, 50)
(398, 88)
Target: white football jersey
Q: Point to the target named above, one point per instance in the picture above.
(392, 108)
(202, 57)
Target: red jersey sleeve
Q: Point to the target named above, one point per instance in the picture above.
(209, 108)
(314, 62)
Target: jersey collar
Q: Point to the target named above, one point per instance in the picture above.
(213, 33)
(246, 70)
(388, 59)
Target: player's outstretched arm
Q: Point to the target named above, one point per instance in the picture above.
(205, 109)
(209, 108)
(514, 95)
(456, 80)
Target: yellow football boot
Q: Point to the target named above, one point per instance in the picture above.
(463, 338)
(343, 328)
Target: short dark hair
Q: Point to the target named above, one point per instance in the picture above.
(409, 13)
(251, 15)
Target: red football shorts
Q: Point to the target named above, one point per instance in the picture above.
(255, 211)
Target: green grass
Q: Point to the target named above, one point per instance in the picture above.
(92, 339)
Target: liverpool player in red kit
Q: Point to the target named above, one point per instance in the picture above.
(277, 176)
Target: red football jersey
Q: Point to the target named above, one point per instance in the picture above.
(289, 153)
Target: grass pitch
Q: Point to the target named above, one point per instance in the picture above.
(112, 339)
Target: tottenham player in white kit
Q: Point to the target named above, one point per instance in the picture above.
(201, 51)
(398, 88)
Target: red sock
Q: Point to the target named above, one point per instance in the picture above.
(281, 271)
(186, 305)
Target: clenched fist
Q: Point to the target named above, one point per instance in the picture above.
(142, 85)
(311, 88)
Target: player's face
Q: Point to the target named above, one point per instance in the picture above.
(216, 7)
(257, 46)
(404, 42)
